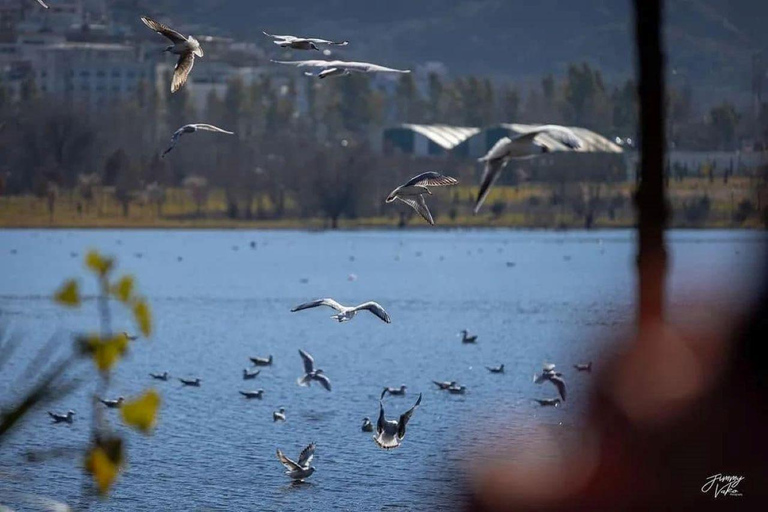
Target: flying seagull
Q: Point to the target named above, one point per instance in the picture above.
(112, 404)
(261, 361)
(346, 313)
(190, 382)
(584, 367)
(302, 43)
(393, 391)
(62, 418)
(412, 192)
(192, 128)
(252, 394)
(300, 469)
(390, 433)
(42, 3)
(497, 369)
(367, 425)
(548, 402)
(311, 374)
(250, 375)
(279, 415)
(339, 67)
(466, 338)
(526, 145)
(159, 376)
(548, 373)
(445, 384)
(185, 47)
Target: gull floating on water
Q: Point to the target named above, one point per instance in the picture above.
(113, 404)
(302, 43)
(339, 67)
(457, 390)
(412, 192)
(548, 402)
(190, 382)
(445, 384)
(466, 338)
(393, 391)
(192, 128)
(250, 375)
(252, 394)
(62, 418)
(367, 425)
(497, 369)
(526, 145)
(390, 433)
(159, 376)
(548, 373)
(302, 468)
(311, 374)
(279, 415)
(260, 361)
(587, 367)
(346, 313)
(185, 47)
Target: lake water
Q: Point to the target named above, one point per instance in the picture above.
(531, 297)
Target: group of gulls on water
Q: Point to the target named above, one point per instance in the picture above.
(388, 433)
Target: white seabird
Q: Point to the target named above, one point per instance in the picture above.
(339, 67)
(250, 375)
(526, 145)
(253, 394)
(466, 338)
(113, 404)
(346, 313)
(159, 376)
(300, 469)
(548, 373)
(412, 191)
(190, 382)
(311, 374)
(62, 418)
(192, 128)
(261, 361)
(279, 415)
(457, 390)
(302, 43)
(185, 47)
(367, 425)
(394, 391)
(390, 433)
(497, 369)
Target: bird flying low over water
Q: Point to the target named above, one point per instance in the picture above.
(300, 469)
(253, 394)
(302, 43)
(394, 391)
(526, 145)
(339, 67)
(261, 361)
(390, 433)
(346, 313)
(250, 375)
(185, 47)
(69, 417)
(548, 373)
(310, 373)
(113, 404)
(192, 128)
(412, 192)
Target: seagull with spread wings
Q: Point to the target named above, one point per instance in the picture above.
(185, 47)
(346, 313)
(310, 373)
(412, 191)
(192, 128)
(339, 67)
(526, 145)
(390, 433)
(548, 373)
(302, 43)
(300, 469)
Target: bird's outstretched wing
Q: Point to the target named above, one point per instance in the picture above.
(174, 140)
(211, 128)
(42, 3)
(405, 417)
(306, 455)
(181, 71)
(309, 363)
(420, 206)
(319, 302)
(559, 384)
(376, 309)
(323, 380)
(490, 175)
(431, 179)
(309, 63)
(164, 30)
(367, 67)
(324, 41)
(283, 38)
(288, 463)
(561, 134)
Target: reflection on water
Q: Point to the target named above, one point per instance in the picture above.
(560, 301)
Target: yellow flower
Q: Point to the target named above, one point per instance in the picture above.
(98, 263)
(141, 413)
(105, 353)
(69, 294)
(143, 316)
(103, 462)
(123, 289)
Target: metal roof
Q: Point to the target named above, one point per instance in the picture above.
(593, 142)
(445, 136)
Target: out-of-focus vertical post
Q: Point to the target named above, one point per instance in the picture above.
(651, 199)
